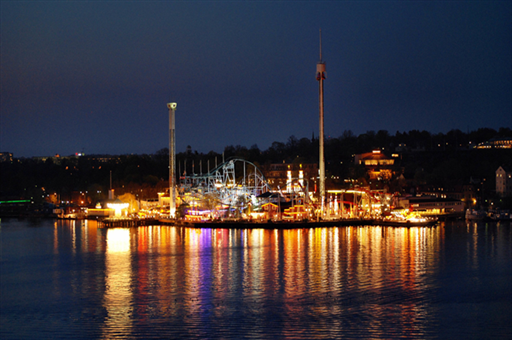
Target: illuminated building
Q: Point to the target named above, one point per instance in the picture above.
(279, 174)
(430, 206)
(503, 181)
(118, 206)
(465, 193)
(496, 143)
(378, 166)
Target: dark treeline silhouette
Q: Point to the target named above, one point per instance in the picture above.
(425, 159)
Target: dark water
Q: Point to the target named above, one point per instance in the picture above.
(65, 279)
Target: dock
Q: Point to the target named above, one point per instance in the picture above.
(266, 224)
(126, 222)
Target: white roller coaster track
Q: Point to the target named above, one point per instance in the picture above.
(228, 182)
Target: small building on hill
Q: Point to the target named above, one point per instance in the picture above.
(378, 165)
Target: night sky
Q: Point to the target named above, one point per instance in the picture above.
(95, 76)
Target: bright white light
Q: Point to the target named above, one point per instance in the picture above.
(118, 207)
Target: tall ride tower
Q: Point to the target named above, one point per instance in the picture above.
(320, 76)
(172, 160)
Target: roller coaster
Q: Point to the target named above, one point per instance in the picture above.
(237, 188)
(229, 183)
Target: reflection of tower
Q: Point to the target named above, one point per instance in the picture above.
(172, 160)
(320, 76)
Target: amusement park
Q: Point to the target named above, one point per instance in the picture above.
(237, 192)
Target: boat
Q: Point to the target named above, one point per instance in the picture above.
(407, 223)
(499, 215)
(405, 218)
(475, 215)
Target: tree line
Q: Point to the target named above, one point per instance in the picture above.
(425, 159)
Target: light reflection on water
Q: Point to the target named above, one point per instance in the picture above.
(118, 275)
(70, 279)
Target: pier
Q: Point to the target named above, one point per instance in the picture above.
(126, 222)
(268, 224)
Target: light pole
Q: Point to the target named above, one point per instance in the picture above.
(172, 160)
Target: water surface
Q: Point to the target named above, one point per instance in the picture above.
(69, 279)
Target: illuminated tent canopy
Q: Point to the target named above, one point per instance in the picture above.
(118, 206)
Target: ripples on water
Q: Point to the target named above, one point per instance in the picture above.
(63, 279)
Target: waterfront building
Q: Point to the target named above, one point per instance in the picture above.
(432, 206)
(504, 181)
(451, 192)
(465, 193)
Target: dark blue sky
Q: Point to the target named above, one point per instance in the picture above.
(96, 76)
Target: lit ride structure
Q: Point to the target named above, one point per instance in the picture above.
(230, 190)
